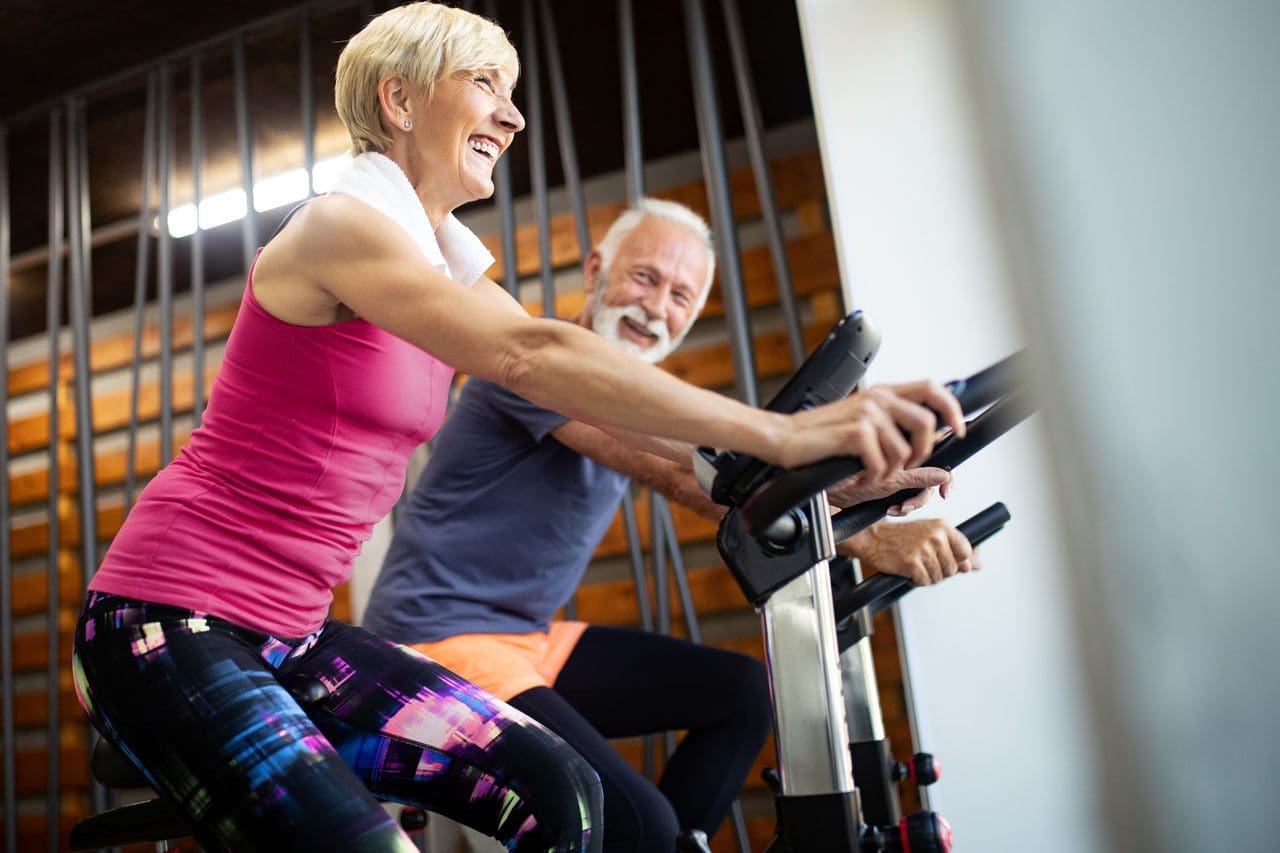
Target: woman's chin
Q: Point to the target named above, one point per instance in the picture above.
(479, 191)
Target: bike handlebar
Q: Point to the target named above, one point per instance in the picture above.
(794, 487)
(876, 589)
(986, 386)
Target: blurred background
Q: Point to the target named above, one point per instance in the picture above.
(1093, 181)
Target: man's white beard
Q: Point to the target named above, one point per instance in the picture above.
(605, 320)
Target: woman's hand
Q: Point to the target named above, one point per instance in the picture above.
(888, 427)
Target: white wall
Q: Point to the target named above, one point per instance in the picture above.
(995, 666)
(1134, 148)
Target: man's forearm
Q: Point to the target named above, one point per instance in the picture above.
(672, 478)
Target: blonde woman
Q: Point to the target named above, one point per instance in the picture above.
(214, 595)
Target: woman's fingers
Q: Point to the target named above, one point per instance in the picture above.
(937, 398)
(867, 448)
(915, 420)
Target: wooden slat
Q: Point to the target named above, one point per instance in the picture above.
(31, 539)
(73, 762)
(109, 468)
(31, 827)
(690, 527)
(110, 411)
(30, 592)
(712, 367)
(31, 708)
(712, 588)
(117, 350)
(31, 650)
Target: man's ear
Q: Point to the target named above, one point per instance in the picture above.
(591, 272)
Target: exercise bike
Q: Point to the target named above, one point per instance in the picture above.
(835, 785)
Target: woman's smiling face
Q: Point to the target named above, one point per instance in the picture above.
(459, 135)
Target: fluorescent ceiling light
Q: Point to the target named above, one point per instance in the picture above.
(268, 194)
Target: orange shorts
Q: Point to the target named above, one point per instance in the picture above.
(506, 665)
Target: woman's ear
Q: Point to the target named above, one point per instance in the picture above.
(394, 102)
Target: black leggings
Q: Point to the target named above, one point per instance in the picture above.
(198, 703)
(622, 683)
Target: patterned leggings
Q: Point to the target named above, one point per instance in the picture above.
(198, 703)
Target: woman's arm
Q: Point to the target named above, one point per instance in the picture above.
(361, 259)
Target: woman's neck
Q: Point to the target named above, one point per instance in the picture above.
(423, 187)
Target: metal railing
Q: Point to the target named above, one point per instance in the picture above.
(70, 233)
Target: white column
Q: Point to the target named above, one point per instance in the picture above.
(993, 657)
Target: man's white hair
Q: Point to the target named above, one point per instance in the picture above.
(669, 211)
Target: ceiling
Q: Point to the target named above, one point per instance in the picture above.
(51, 47)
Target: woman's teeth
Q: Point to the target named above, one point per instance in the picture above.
(485, 147)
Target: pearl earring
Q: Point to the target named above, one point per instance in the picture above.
(408, 125)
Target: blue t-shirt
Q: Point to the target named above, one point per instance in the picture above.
(500, 526)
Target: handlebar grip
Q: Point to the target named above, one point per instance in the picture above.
(986, 386)
(985, 524)
(858, 518)
(879, 591)
(866, 594)
(793, 487)
(1003, 416)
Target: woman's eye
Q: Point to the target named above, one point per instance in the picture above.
(484, 81)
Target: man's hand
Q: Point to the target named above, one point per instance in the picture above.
(858, 489)
(925, 552)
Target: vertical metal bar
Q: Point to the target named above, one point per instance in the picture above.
(637, 559)
(57, 226)
(752, 124)
(664, 547)
(716, 174)
(86, 221)
(640, 576)
(678, 569)
(537, 156)
(6, 566)
(506, 208)
(507, 229)
(564, 131)
(197, 244)
(164, 263)
(660, 595)
(244, 141)
(140, 284)
(80, 260)
(632, 155)
(305, 87)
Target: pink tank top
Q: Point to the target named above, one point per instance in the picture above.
(303, 448)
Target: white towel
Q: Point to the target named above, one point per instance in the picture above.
(453, 249)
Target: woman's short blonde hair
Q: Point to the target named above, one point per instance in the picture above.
(423, 42)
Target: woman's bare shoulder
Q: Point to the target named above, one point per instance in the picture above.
(335, 224)
(290, 277)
